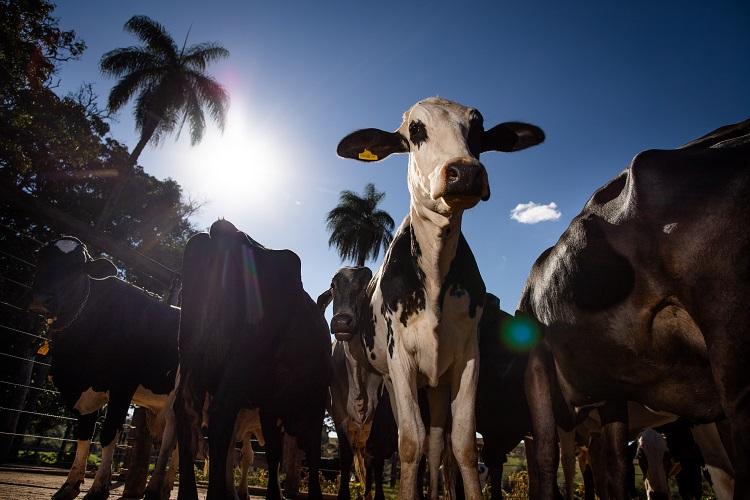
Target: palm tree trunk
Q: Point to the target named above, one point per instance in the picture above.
(105, 216)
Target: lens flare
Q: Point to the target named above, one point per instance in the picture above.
(520, 334)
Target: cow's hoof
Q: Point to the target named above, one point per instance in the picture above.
(97, 494)
(157, 495)
(66, 492)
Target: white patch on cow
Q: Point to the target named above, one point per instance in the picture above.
(101, 480)
(78, 469)
(91, 401)
(66, 246)
(533, 213)
(723, 483)
(668, 228)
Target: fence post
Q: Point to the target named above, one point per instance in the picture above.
(137, 456)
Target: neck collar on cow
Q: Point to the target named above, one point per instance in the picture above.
(434, 240)
(67, 322)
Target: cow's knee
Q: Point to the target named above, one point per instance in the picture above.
(409, 448)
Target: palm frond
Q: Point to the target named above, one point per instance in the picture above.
(153, 34)
(126, 88)
(198, 56)
(125, 60)
(211, 95)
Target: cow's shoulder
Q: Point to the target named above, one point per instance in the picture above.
(464, 278)
(402, 281)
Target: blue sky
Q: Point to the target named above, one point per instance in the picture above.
(605, 80)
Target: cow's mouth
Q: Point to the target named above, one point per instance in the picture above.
(343, 336)
(462, 201)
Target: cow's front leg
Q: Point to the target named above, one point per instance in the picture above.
(161, 482)
(439, 402)
(135, 483)
(615, 439)
(463, 429)
(538, 385)
(117, 410)
(272, 433)
(223, 415)
(411, 432)
(72, 485)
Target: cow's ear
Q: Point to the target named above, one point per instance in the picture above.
(371, 144)
(511, 136)
(324, 299)
(99, 269)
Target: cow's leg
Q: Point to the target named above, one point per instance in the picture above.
(223, 415)
(538, 387)
(159, 486)
(84, 432)
(377, 473)
(614, 416)
(117, 410)
(411, 428)
(247, 460)
(568, 459)
(463, 428)
(312, 453)
(135, 483)
(346, 459)
(716, 458)
(439, 402)
(186, 417)
(272, 433)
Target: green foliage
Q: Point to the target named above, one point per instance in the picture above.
(358, 229)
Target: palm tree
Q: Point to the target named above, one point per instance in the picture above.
(358, 229)
(170, 87)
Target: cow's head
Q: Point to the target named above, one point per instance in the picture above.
(63, 269)
(655, 462)
(348, 293)
(444, 140)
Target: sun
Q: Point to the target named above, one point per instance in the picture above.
(237, 170)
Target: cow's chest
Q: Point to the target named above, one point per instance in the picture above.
(430, 339)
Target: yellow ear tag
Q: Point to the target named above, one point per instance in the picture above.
(368, 155)
(43, 349)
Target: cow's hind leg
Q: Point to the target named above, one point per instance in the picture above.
(272, 433)
(84, 432)
(346, 459)
(186, 445)
(439, 402)
(117, 410)
(313, 428)
(223, 415)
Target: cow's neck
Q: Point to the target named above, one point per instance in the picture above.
(435, 239)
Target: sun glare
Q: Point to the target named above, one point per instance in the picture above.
(238, 170)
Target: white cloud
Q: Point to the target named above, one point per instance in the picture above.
(533, 213)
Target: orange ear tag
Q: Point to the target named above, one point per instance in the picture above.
(368, 155)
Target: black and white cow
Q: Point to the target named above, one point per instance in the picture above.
(111, 343)
(427, 297)
(250, 337)
(357, 390)
(643, 299)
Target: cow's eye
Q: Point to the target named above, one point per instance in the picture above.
(417, 133)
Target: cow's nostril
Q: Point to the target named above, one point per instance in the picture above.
(451, 174)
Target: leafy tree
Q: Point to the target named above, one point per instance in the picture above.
(170, 87)
(358, 229)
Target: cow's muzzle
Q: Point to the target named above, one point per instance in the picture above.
(465, 182)
(342, 326)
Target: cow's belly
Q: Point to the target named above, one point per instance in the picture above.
(653, 354)
(90, 401)
(147, 399)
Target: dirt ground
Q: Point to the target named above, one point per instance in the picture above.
(35, 486)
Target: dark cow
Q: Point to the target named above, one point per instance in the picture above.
(250, 337)
(502, 412)
(426, 299)
(356, 388)
(111, 343)
(643, 299)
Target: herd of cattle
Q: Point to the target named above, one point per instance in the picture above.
(635, 318)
